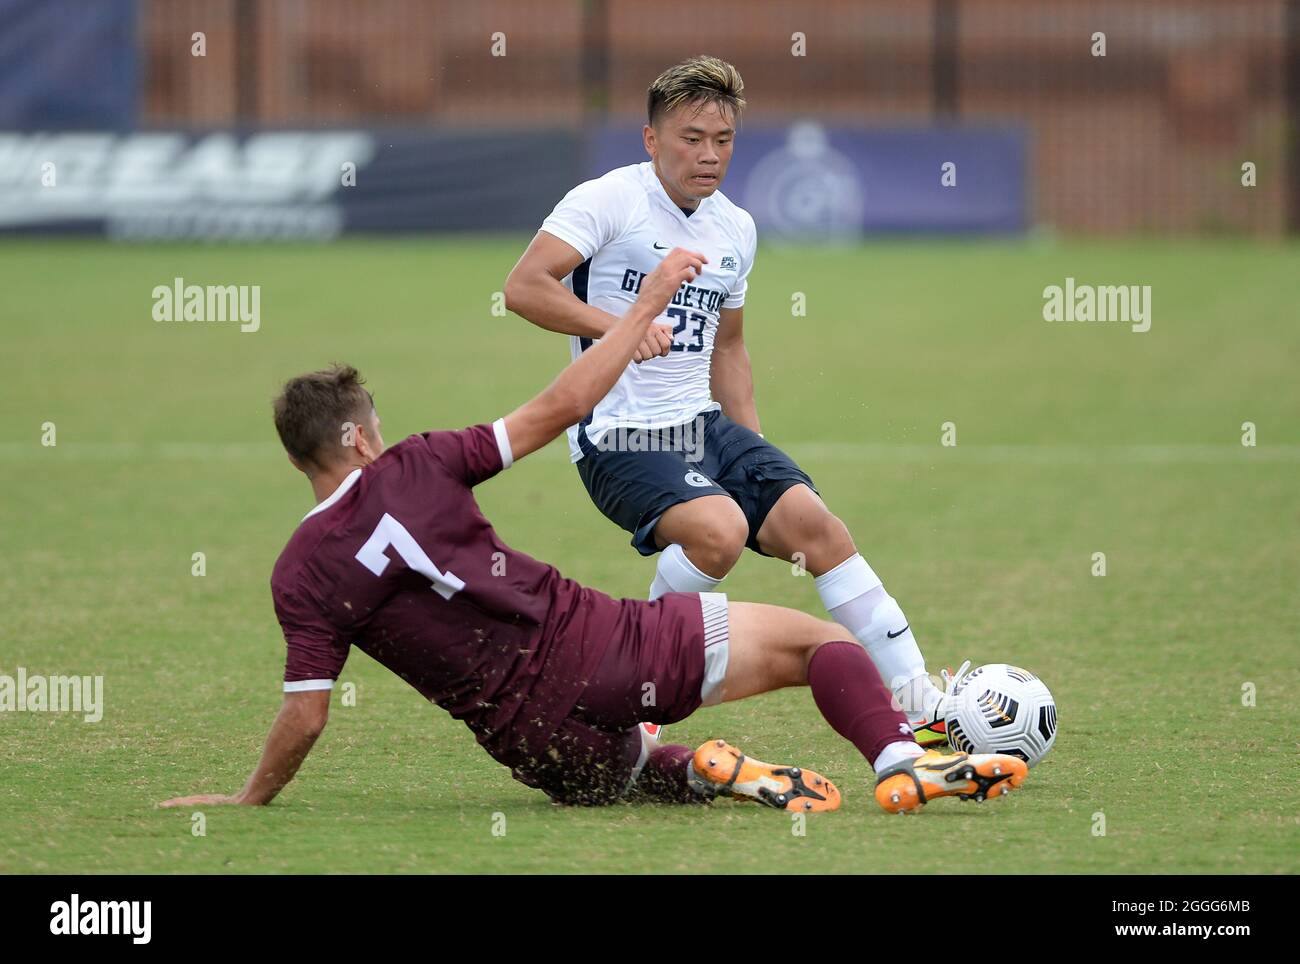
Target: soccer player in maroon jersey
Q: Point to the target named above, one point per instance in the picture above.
(553, 678)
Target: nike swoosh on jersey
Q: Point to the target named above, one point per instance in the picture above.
(897, 634)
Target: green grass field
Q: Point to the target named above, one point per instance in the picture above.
(1072, 439)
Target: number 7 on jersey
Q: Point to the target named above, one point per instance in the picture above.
(390, 532)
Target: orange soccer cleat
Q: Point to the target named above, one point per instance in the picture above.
(912, 784)
(719, 768)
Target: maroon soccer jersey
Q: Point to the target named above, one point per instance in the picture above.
(401, 563)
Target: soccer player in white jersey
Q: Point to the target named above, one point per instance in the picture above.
(674, 453)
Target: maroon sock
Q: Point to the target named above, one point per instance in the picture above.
(663, 778)
(854, 699)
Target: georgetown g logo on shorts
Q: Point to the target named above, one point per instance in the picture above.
(700, 481)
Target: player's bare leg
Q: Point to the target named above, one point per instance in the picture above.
(711, 531)
(800, 527)
(801, 523)
(770, 647)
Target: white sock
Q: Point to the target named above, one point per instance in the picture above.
(676, 573)
(856, 598)
(895, 754)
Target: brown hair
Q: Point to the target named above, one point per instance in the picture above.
(312, 409)
(701, 80)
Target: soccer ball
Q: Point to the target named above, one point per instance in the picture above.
(998, 708)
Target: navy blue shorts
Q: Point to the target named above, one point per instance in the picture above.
(643, 473)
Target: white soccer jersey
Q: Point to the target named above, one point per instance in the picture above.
(624, 224)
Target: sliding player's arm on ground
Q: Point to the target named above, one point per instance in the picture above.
(315, 654)
(300, 721)
(579, 387)
(535, 291)
(731, 380)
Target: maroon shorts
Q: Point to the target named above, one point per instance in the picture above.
(653, 671)
(585, 765)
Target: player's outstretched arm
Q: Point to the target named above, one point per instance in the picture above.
(731, 379)
(585, 382)
(302, 718)
(535, 291)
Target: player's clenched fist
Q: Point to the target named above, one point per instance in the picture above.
(658, 341)
(677, 267)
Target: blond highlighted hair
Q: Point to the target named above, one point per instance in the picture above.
(700, 80)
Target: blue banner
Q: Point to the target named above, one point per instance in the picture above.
(806, 182)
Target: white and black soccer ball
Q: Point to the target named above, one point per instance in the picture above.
(999, 708)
